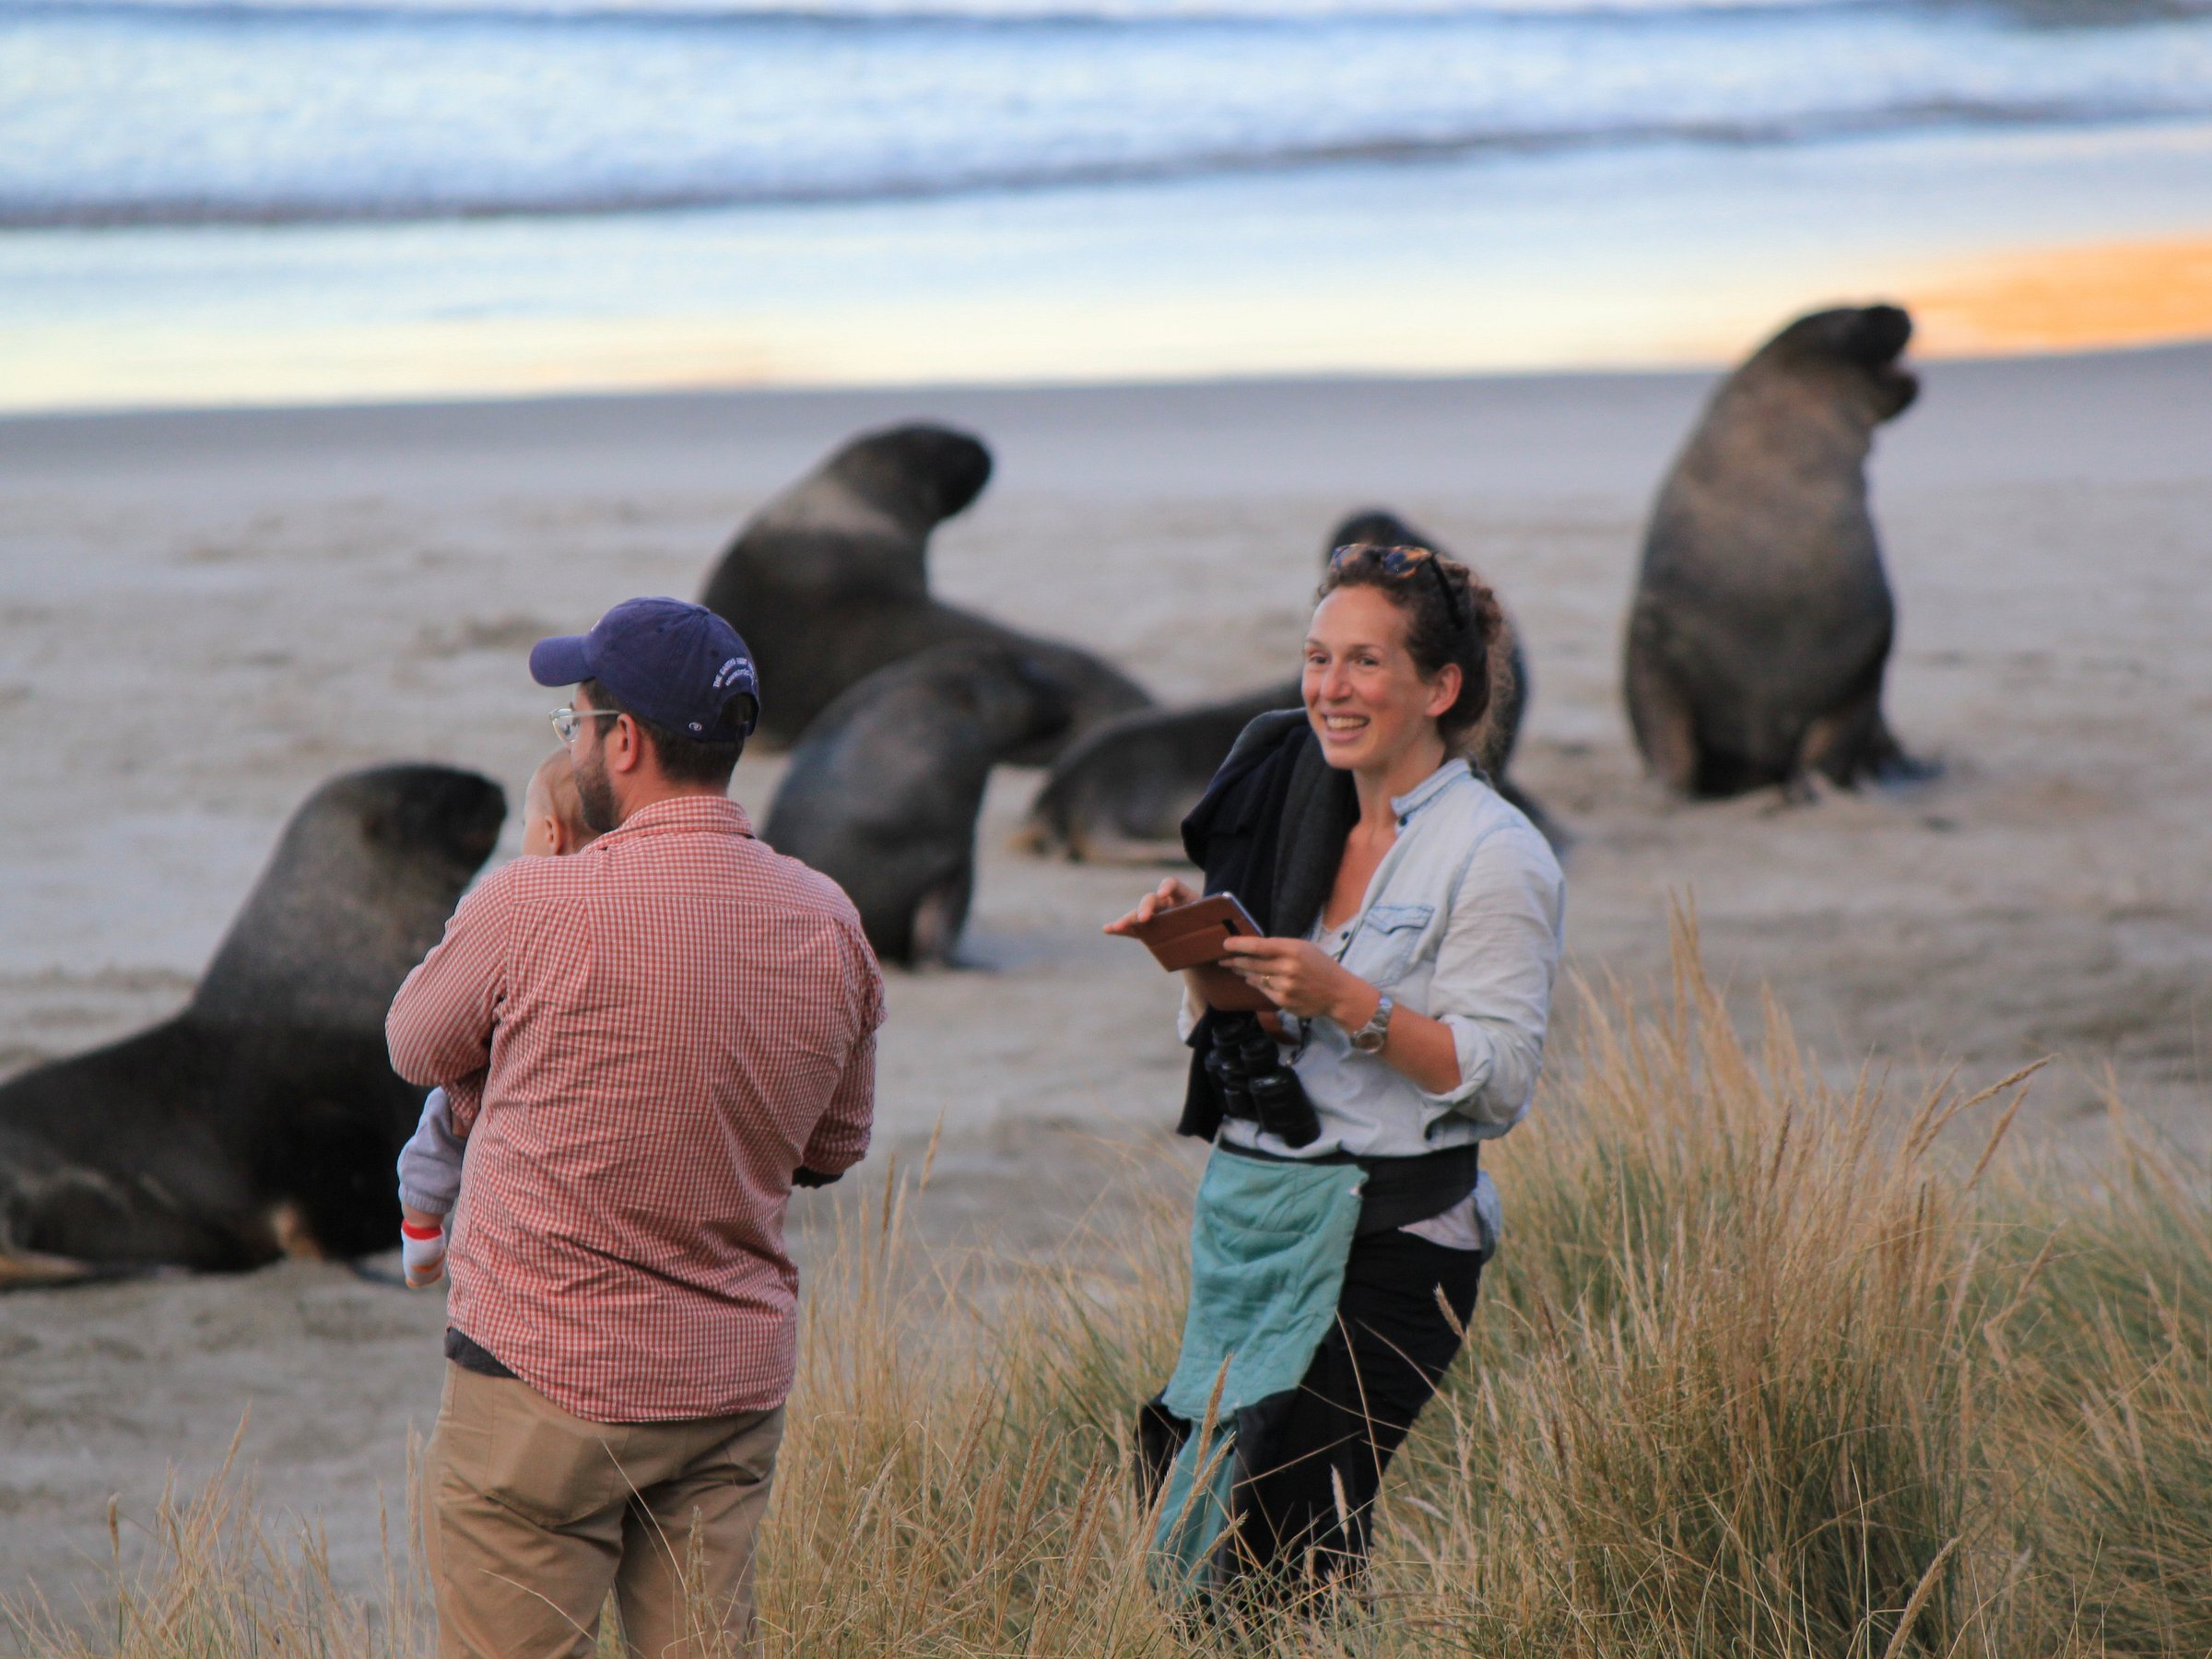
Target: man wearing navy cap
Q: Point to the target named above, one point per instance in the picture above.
(646, 1044)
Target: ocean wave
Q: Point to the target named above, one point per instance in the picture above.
(179, 209)
(1164, 13)
(1140, 13)
(1144, 14)
(1166, 16)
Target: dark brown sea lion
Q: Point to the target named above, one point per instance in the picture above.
(1120, 793)
(265, 1116)
(882, 791)
(1762, 617)
(829, 581)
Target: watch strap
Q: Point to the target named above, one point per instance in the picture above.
(1370, 1037)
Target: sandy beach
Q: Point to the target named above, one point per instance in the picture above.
(203, 614)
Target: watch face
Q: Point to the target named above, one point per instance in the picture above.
(1370, 1037)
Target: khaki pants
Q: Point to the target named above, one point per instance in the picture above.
(535, 1514)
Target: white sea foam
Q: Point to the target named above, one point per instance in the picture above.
(182, 112)
(1140, 11)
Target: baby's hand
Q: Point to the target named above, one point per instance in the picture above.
(421, 1247)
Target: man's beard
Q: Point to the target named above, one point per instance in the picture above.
(594, 794)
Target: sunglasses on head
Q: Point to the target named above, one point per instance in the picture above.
(1398, 563)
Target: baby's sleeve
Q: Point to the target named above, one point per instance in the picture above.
(430, 1164)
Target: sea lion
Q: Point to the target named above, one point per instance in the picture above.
(882, 791)
(1120, 793)
(265, 1116)
(1762, 618)
(829, 581)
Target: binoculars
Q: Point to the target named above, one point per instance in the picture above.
(1249, 1075)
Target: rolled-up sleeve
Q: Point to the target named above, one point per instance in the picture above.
(440, 1026)
(1495, 968)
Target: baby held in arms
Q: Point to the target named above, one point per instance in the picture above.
(430, 1165)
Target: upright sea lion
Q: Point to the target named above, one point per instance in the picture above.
(1120, 793)
(265, 1116)
(829, 581)
(1762, 618)
(883, 791)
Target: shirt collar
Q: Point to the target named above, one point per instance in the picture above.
(1429, 788)
(712, 814)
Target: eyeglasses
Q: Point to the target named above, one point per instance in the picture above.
(566, 719)
(1397, 563)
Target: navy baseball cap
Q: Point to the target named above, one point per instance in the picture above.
(675, 665)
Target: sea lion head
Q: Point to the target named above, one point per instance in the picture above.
(1046, 707)
(1376, 527)
(438, 822)
(357, 893)
(919, 474)
(1854, 345)
(1006, 697)
(854, 530)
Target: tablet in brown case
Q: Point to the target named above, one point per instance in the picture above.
(1191, 936)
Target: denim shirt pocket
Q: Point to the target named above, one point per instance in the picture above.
(1390, 938)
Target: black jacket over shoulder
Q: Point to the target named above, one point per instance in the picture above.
(1271, 830)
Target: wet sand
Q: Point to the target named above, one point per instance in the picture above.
(203, 614)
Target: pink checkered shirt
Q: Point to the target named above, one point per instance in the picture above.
(647, 1036)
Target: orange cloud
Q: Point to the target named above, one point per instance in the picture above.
(2066, 298)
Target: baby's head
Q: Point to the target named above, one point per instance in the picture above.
(553, 812)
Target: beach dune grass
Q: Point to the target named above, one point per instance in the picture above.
(1729, 1406)
(1767, 1367)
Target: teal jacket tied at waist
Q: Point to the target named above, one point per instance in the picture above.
(1268, 1244)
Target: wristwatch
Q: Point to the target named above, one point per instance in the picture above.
(1369, 1038)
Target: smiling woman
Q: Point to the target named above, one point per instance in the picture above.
(1414, 927)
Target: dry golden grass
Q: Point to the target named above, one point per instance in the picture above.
(1765, 1368)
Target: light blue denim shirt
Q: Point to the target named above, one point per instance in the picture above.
(1463, 921)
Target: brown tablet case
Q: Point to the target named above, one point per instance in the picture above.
(1191, 936)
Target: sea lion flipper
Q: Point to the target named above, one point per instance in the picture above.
(26, 1270)
(939, 915)
(1665, 725)
(1890, 764)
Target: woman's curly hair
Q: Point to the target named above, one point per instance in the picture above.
(1451, 617)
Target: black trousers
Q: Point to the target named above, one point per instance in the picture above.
(1311, 1460)
(1306, 1509)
